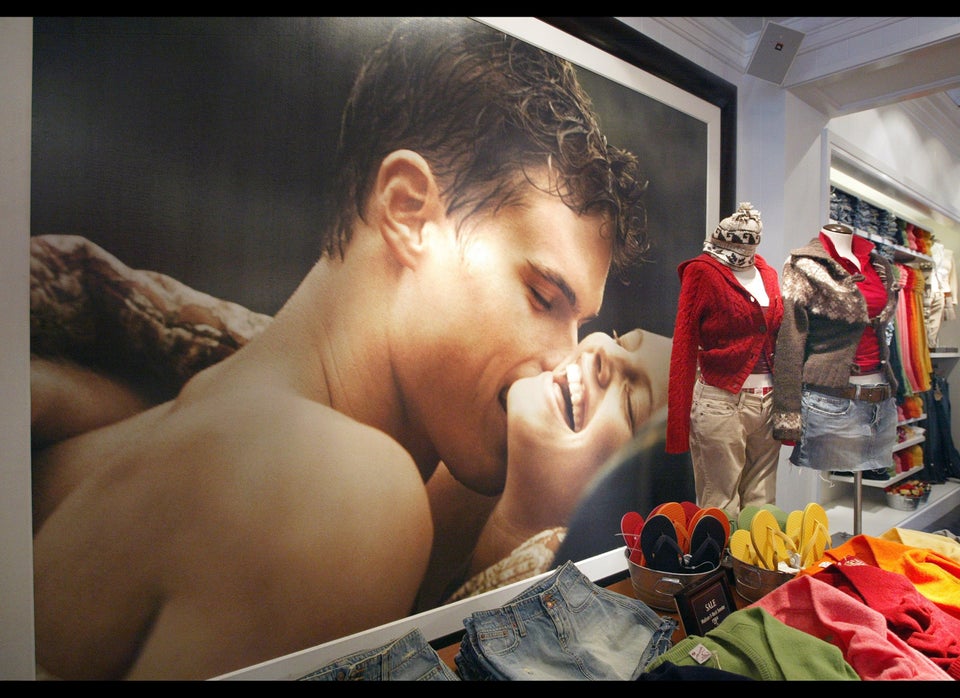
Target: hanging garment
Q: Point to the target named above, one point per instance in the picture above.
(941, 458)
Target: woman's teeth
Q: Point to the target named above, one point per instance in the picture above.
(575, 387)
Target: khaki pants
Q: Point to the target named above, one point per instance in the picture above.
(732, 447)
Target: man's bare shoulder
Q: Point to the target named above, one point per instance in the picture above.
(337, 505)
(263, 522)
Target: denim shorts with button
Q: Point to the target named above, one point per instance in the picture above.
(564, 627)
(842, 434)
(408, 658)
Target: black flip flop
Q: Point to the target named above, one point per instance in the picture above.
(706, 544)
(658, 541)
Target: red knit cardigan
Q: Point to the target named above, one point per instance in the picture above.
(721, 327)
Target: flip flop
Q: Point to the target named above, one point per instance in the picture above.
(691, 509)
(745, 518)
(708, 539)
(658, 541)
(772, 544)
(741, 547)
(794, 527)
(675, 512)
(630, 525)
(779, 514)
(815, 534)
(716, 512)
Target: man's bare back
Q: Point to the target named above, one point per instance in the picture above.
(174, 544)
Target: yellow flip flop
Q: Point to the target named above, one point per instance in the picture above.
(779, 514)
(772, 545)
(741, 547)
(794, 528)
(815, 534)
(762, 525)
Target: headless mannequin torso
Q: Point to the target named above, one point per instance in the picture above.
(842, 238)
(750, 279)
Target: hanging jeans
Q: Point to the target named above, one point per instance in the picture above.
(564, 627)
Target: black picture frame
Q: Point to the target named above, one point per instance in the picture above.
(704, 605)
(623, 42)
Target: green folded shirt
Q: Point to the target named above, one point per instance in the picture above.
(753, 643)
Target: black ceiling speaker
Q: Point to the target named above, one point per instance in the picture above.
(774, 52)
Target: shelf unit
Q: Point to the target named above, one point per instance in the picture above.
(900, 253)
(906, 443)
(880, 483)
(877, 517)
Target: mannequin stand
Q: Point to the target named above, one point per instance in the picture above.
(857, 502)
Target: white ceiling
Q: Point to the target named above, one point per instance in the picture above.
(925, 80)
(752, 25)
(930, 74)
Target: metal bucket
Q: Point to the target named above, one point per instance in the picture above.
(753, 583)
(657, 589)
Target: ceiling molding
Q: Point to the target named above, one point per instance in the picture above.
(939, 115)
(715, 36)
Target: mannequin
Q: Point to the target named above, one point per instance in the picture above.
(751, 280)
(842, 238)
(720, 402)
(834, 389)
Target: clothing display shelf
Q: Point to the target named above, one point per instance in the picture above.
(906, 443)
(857, 500)
(891, 480)
(877, 517)
(900, 253)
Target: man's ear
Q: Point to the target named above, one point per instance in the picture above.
(406, 197)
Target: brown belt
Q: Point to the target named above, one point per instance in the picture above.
(855, 391)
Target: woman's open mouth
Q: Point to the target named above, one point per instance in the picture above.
(573, 395)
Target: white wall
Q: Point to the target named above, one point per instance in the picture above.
(16, 556)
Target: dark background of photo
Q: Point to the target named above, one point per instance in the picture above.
(200, 148)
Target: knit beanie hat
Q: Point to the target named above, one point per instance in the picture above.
(735, 240)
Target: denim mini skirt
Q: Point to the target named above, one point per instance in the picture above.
(843, 434)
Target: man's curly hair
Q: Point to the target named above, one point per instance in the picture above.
(485, 110)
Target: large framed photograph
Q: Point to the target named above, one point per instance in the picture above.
(196, 153)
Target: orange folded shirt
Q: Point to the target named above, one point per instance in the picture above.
(935, 576)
